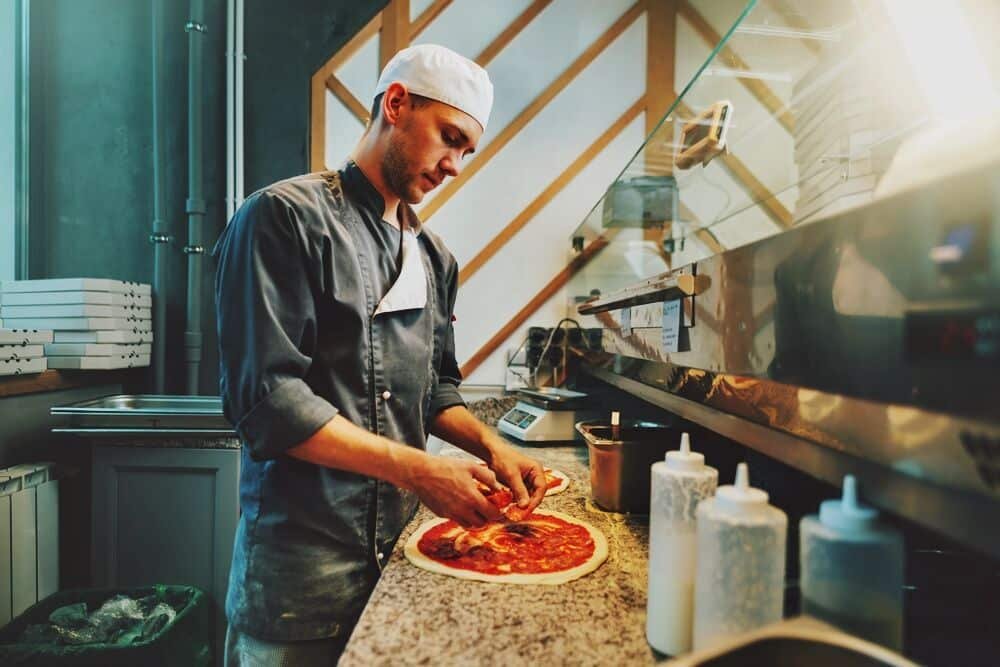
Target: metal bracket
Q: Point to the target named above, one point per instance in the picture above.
(158, 237)
(194, 25)
(194, 249)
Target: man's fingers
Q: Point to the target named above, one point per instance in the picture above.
(538, 488)
(520, 491)
(486, 476)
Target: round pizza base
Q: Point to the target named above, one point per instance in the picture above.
(563, 482)
(600, 554)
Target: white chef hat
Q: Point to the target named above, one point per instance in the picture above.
(441, 74)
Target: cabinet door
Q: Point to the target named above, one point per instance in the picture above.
(165, 516)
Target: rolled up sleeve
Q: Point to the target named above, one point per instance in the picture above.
(267, 329)
(445, 394)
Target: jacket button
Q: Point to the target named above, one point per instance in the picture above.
(380, 555)
(386, 395)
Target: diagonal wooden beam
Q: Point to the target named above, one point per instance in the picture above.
(318, 88)
(532, 110)
(512, 31)
(353, 104)
(556, 186)
(746, 179)
(537, 302)
(427, 17)
(757, 88)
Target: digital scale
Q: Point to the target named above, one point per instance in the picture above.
(547, 414)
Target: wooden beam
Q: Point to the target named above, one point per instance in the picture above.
(742, 174)
(395, 33)
(427, 17)
(556, 186)
(318, 88)
(661, 47)
(532, 110)
(353, 104)
(757, 88)
(537, 302)
(508, 35)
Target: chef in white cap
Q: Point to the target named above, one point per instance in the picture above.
(337, 358)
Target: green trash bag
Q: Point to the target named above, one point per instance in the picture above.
(153, 626)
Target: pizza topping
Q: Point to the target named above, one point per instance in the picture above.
(538, 544)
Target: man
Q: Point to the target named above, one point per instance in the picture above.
(337, 358)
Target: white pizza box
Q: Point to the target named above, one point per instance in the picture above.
(118, 336)
(24, 336)
(75, 284)
(23, 366)
(65, 310)
(13, 352)
(138, 312)
(78, 323)
(96, 349)
(98, 363)
(75, 297)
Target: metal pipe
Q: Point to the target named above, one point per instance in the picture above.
(195, 203)
(230, 103)
(160, 236)
(240, 60)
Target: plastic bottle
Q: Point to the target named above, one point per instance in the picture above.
(677, 485)
(851, 567)
(740, 579)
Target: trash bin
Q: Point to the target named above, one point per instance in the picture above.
(184, 639)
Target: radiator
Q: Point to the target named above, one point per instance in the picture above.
(29, 537)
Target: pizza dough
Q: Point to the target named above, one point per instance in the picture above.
(485, 535)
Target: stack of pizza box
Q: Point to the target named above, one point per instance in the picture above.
(22, 351)
(840, 115)
(95, 323)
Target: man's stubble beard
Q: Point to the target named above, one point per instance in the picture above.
(396, 173)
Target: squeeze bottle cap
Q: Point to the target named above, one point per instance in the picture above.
(684, 459)
(847, 514)
(740, 497)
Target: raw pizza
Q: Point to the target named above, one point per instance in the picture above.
(542, 548)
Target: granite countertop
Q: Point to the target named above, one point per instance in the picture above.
(418, 617)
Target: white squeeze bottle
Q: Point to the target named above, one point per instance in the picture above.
(740, 579)
(851, 568)
(677, 485)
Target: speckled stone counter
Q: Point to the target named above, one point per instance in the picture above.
(418, 617)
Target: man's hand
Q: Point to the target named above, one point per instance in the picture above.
(523, 475)
(448, 488)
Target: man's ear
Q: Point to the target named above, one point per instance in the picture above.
(394, 102)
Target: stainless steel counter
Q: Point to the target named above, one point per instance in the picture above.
(417, 617)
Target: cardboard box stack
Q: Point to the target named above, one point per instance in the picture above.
(95, 323)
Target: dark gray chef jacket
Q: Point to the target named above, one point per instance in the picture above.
(324, 309)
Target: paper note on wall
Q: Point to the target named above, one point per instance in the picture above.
(626, 322)
(671, 325)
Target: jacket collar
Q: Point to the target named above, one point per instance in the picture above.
(365, 196)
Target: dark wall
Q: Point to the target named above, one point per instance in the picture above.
(284, 47)
(91, 134)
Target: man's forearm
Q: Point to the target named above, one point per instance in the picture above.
(461, 428)
(343, 445)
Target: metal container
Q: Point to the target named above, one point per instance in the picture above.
(124, 414)
(619, 466)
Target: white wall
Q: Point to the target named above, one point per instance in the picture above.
(8, 134)
(527, 165)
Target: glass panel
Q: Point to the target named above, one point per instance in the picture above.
(794, 111)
